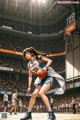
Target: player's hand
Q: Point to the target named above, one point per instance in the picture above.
(17, 99)
(45, 68)
(29, 89)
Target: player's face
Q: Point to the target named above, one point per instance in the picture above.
(28, 55)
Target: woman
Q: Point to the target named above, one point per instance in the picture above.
(42, 85)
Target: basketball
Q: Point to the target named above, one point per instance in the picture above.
(42, 73)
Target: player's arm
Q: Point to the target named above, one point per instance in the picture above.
(29, 80)
(47, 60)
(17, 98)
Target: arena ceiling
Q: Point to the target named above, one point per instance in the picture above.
(35, 13)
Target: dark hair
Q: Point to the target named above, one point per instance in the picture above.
(33, 52)
(6, 91)
(15, 91)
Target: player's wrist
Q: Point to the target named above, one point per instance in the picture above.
(46, 67)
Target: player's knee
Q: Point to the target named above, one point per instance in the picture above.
(41, 93)
(34, 95)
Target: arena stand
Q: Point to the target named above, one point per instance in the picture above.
(19, 44)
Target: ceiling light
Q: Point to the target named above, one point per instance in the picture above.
(39, 1)
(29, 32)
(44, 1)
(33, 0)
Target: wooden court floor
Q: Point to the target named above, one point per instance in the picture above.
(43, 116)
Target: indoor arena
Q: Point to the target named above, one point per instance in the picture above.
(39, 59)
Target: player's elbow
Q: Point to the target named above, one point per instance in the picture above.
(50, 61)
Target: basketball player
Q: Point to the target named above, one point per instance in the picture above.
(36, 60)
(74, 105)
(5, 101)
(14, 104)
(20, 105)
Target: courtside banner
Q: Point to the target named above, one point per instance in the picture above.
(6, 68)
(70, 28)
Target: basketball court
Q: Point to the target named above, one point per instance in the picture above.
(47, 33)
(44, 116)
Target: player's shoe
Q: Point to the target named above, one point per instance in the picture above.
(27, 116)
(10, 113)
(51, 116)
(15, 113)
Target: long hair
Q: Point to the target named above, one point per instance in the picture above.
(33, 52)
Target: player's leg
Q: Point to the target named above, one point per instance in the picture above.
(33, 98)
(11, 110)
(42, 92)
(5, 106)
(15, 107)
(21, 109)
(31, 104)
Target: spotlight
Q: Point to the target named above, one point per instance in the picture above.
(44, 1)
(33, 0)
(29, 32)
(39, 1)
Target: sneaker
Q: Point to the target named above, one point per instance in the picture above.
(51, 116)
(27, 116)
(15, 113)
(10, 113)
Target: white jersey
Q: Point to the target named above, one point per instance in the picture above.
(14, 96)
(73, 102)
(20, 103)
(33, 67)
(51, 101)
(5, 98)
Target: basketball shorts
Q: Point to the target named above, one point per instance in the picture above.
(5, 103)
(13, 102)
(47, 80)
